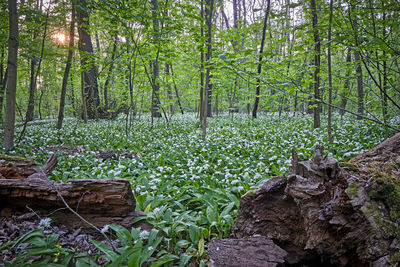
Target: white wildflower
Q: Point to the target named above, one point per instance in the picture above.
(144, 234)
(44, 223)
(105, 228)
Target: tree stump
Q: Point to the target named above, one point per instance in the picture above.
(345, 214)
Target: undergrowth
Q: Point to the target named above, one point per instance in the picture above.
(190, 190)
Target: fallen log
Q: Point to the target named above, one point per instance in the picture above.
(100, 202)
(324, 213)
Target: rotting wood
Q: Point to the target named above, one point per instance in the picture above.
(100, 202)
(323, 213)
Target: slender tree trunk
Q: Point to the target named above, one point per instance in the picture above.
(3, 86)
(30, 110)
(169, 92)
(89, 70)
(155, 102)
(260, 60)
(317, 64)
(110, 70)
(32, 86)
(35, 73)
(8, 140)
(357, 59)
(131, 77)
(346, 86)
(73, 96)
(209, 96)
(209, 13)
(201, 61)
(176, 90)
(67, 68)
(330, 73)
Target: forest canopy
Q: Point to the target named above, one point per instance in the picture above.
(168, 56)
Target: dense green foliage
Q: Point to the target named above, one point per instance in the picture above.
(368, 27)
(190, 189)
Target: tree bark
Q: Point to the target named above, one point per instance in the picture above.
(317, 64)
(257, 99)
(209, 13)
(67, 68)
(169, 92)
(330, 73)
(8, 140)
(325, 213)
(201, 60)
(155, 101)
(89, 70)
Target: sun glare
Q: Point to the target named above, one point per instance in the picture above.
(60, 38)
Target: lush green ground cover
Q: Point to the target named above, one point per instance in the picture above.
(189, 189)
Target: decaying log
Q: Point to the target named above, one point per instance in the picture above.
(100, 202)
(324, 213)
(12, 167)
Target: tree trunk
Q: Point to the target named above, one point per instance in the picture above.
(357, 59)
(32, 84)
(89, 70)
(209, 13)
(106, 84)
(317, 64)
(155, 102)
(346, 86)
(260, 60)
(330, 73)
(176, 90)
(201, 60)
(8, 140)
(67, 68)
(169, 92)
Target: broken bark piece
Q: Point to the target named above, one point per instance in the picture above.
(327, 215)
(245, 252)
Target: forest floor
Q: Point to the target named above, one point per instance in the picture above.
(190, 190)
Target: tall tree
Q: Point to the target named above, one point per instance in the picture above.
(89, 69)
(317, 64)
(67, 68)
(201, 111)
(260, 58)
(155, 99)
(209, 13)
(8, 141)
(330, 72)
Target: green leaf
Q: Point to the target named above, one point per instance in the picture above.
(108, 253)
(165, 259)
(123, 234)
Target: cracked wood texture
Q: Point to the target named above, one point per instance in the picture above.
(100, 202)
(324, 213)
